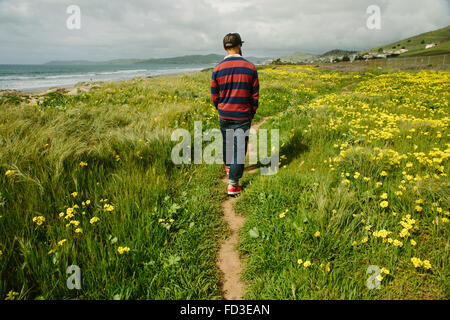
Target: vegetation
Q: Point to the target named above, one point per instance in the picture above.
(88, 180)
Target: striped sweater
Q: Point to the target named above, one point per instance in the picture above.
(235, 88)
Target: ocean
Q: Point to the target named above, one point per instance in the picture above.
(30, 78)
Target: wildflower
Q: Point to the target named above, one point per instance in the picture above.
(74, 194)
(413, 243)
(87, 202)
(51, 251)
(61, 242)
(385, 271)
(11, 295)
(317, 234)
(307, 264)
(282, 215)
(398, 243)
(378, 184)
(300, 262)
(379, 277)
(123, 250)
(383, 173)
(384, 196)
(418, 208)
(384, 204)
(39, 220)
(426, 264)
(356, 176)
(417, 262)
(94, 220)
(108, 207)
(161, 220)
(398, 193)
(83, 164)
(10, 173)
(364, 240)
(78, 230)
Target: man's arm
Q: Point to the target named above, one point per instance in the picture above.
(255, 92)
(214, 90)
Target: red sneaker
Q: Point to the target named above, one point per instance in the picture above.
(233, 191)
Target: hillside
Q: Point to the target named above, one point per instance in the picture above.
(188, 59)
(416, 44)
(297, 57)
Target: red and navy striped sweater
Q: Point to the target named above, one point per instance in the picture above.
(235, 88)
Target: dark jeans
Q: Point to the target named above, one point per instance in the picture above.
(235, 146)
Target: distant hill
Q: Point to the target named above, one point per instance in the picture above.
(189, 59)
(297, 57)
(337, 53)
(416, 44)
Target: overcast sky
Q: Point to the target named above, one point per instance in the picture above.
(35, 31)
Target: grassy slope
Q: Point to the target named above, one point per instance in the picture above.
(416, 48)
(320, 142)
(45, 144)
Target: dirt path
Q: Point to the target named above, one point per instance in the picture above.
(229, 262)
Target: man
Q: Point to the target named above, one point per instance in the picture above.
(235, 94)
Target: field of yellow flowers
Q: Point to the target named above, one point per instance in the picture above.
(360, 207)
(87, 180)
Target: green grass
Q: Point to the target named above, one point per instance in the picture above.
(416, 44)
(169, 216)
(343, 137)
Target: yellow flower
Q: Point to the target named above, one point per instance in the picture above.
(10, 173)
(398, 243)
(1, 252)
(426, 264)
(39, 220)
(418, 208)
(384, 204)
(413, 243)
(385, 271)
(384, 196)
(307, 264)
(74, 194)
(83, 164)
(60, 243)
(379, 184)
(383, 173)
(417, 262)
(94, 220)
(317, 234)
(88, 202)
(108, 207)
(11, 295)
(379, 277)
(300, 261)
(78, 230)
(123, 250)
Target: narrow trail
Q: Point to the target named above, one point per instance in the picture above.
(229, 262)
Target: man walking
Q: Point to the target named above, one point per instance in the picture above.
(235, 94)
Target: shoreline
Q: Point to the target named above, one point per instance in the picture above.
(85, 86)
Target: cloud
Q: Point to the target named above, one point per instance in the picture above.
(34, 31)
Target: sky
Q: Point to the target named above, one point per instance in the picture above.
(35, 31)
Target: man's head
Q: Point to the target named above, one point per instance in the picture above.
(232, 43)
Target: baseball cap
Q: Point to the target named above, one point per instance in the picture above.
(232, 40)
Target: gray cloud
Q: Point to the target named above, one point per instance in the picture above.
(34, 31)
